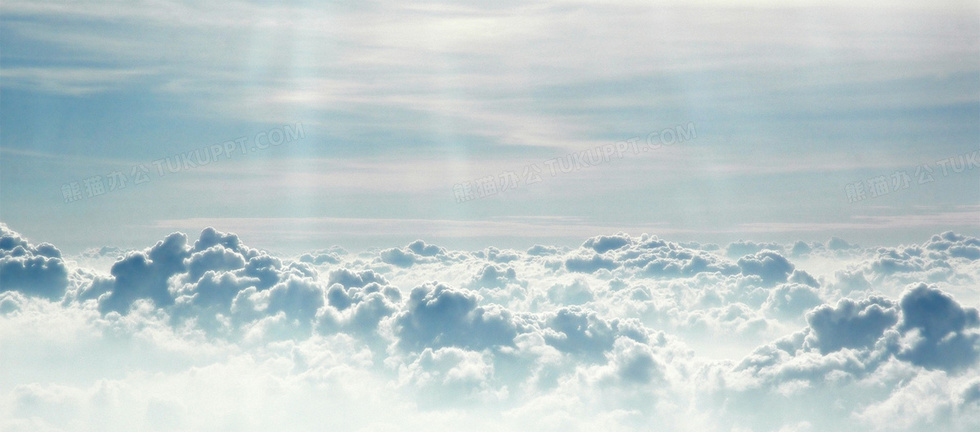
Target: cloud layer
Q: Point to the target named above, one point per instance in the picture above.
(621, 333)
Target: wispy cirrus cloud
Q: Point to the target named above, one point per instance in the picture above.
(74, 81)
(403, 102)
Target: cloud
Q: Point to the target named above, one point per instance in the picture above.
(438, 316)
(426, 250)
(837, 243)
(575, 330)
(875, 341)
(684, 263)
(416, 252)
(935, 260)
(849, 281)
(802, 277)
(850, 324)
(602, 244)
(588, 263)
(320, 258)
(540, 250)
(800, 249)
(940, 333)
(352, 279)
(741, 248)
(298, 298)
(36, 270)
(772, 267)
(450, 376)
(218, 285)
(633, 362)
(791, 300)
(492, 276)
(927, 401)
(663, 259)
(360, 307)
(957, 246)
(576, 293)
(145, 274)
(486, 331)
(498, 256)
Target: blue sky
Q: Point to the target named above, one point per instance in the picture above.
(397, 104)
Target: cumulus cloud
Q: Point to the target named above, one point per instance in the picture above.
(589, 263)
(957, 246)
(603, 244)
(662, 259)
(940, 333)
(800, 248)
(622, 332)
(576, 293)
(541, 250)
(492, 276)
(741, 248)
(771, 267)
(837, 243)
(145, 274)
(575, 330)
(437, 316)
(416, 252)
(792, 300)
(37, 270)
(450, 376)
(936, 260)
(850, 324)
(358, 304)
(868, 340)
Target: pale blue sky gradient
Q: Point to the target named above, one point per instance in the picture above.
(400, 103)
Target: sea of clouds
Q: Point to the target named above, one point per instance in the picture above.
(621, 333)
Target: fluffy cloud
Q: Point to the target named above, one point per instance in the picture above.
(926, 329)
(937, 260)
(145, 274)
(622, 332)
(437, 316)
(416, 252)
(663, 259)
(357, 302)
(576, 293)
(850, 324)
(37, 270)
(772, 267)
(589, 263)
(741, 248)
(603, 244)
(492, 276)
(791, 300)
(939, 332)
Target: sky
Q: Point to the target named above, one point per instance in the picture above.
(405, 115)
(710, 216)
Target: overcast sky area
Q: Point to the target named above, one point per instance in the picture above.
(743, 215)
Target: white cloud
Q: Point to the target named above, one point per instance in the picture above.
(206, 333)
